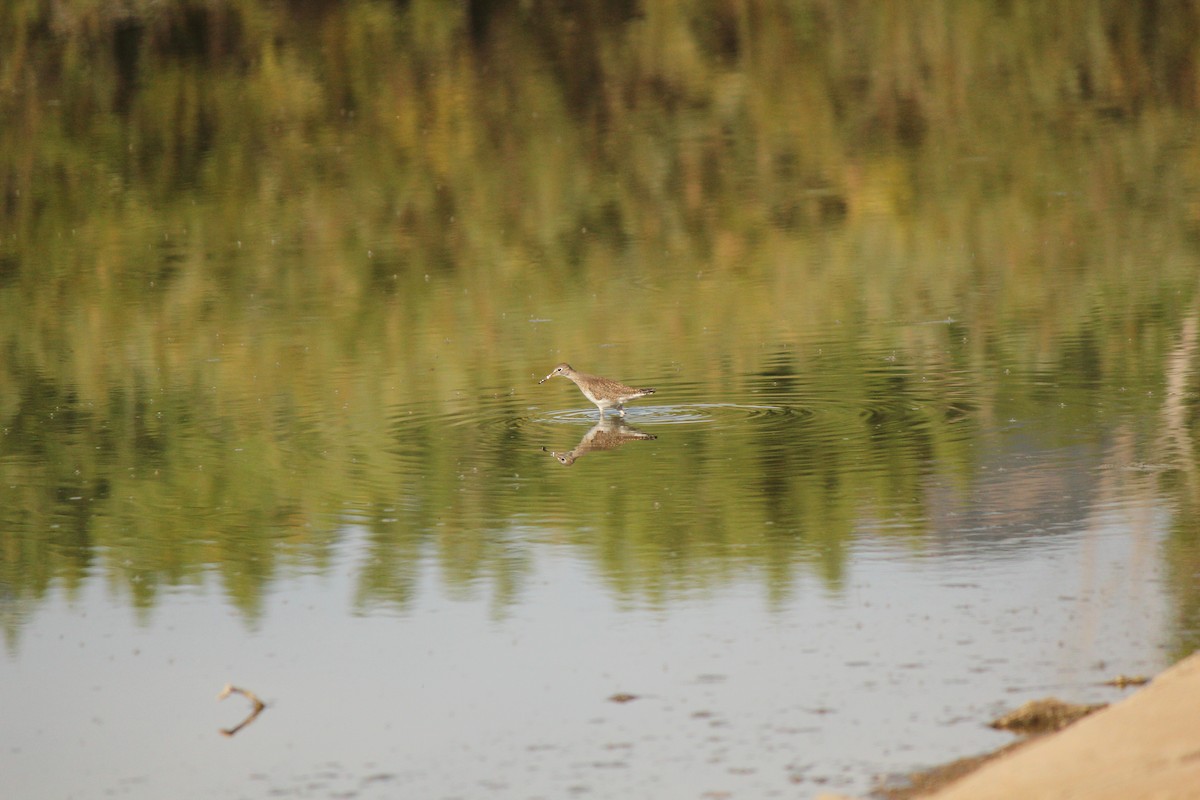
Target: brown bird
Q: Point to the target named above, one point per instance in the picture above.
(604, 392)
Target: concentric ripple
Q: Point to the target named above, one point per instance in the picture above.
(678, 414)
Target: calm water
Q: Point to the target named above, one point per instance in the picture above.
(276, 292)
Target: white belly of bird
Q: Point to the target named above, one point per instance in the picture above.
(602, 402)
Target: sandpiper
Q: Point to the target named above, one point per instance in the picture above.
(604, 392)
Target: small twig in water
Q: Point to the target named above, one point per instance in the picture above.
(1121, 681)
(259, 705)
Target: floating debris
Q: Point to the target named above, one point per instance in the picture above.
(622, 697)
(1043, 716)
(258, 706)
(1121, 681)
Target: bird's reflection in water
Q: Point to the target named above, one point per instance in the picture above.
(607, 434)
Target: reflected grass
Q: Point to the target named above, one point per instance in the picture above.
(253, 261)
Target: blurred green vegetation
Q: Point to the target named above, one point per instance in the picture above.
(209, 209)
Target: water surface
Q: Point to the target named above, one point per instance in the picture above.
(276, 292)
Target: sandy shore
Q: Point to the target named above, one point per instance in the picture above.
(1145, 746)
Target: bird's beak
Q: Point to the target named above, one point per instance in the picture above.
(548, 377)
